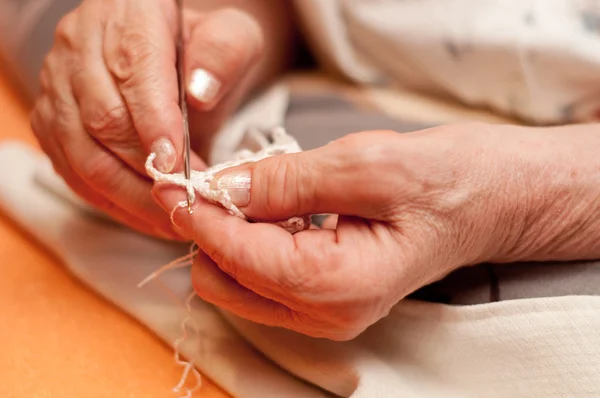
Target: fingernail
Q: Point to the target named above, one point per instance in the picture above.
(237, 184)
(165, 155)
(204, 86)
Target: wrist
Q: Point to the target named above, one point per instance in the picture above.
(549, 188)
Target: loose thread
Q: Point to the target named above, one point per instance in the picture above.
(179, 205)
(188, 366)
(181, 262)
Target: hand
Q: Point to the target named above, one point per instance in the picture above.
(412, 208)
(110, 96)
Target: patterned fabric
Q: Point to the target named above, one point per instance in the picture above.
(536, 60)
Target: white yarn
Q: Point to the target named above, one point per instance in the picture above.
(199, 183)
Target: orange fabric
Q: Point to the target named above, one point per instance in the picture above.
(59, 339)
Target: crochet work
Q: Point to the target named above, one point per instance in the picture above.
(276, 142)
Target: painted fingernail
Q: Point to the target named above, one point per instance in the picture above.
(165, 155)
(237, 184)
(204, 86)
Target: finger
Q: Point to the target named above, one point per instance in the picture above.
(343, 177)
(41, 122)
(263, 257)
(140, 56)
(111, 178)
(104, 113)
(105, 175)
(223, 48)
(216, 287)
(302, 272)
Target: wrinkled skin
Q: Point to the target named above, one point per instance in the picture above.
(412, 208)
(110, 93)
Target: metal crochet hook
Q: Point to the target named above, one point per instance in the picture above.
(182, 98)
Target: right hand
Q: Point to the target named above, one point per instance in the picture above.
(110, 97)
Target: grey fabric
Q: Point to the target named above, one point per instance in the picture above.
(33, 52)
(27, 59)
(316, 120)
(485, 283)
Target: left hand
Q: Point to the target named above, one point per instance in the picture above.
(413, 207)
(110, 97)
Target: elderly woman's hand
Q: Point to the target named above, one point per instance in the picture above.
(412, 208)
(110, 96)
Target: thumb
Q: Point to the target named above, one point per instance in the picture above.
(223, 47)
(339, 178)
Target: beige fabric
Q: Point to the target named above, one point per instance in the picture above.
(546, 347)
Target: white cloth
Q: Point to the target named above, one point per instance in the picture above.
(544, 347)
(534, 59)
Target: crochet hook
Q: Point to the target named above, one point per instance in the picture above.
(182, 98)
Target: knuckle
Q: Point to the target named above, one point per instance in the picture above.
(363, 149)
(43, 76)
(364, 156)
(109, 123)
(133, 53)
(64, 116)
(65, 32)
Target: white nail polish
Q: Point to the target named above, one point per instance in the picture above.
(204, 86)
(165, 155)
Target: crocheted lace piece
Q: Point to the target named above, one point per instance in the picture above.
(277, 142)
